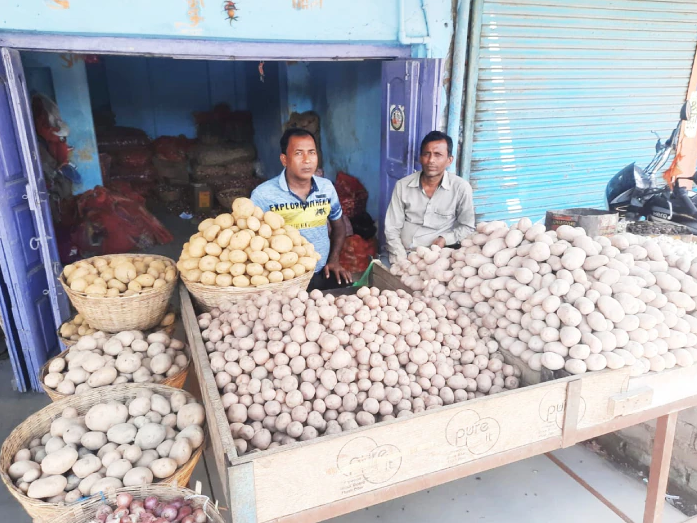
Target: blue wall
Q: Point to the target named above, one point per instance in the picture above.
(159, 95)
(70, 91)
(263, 99)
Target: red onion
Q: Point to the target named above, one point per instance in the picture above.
(158, 509)
(126, 519)
(160, 520)
(121, 512)
(188, 519)
(150, 502)
(169, 512)
(177, 502)
(124, 499)
(200, 516)
(102, 512)
(146, 517)
(184, 511)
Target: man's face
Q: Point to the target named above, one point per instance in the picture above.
(434, 158)
(300, 159)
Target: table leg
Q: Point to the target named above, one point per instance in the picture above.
(660, 468)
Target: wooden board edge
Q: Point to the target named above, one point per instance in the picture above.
(218, 427)
(243, 504)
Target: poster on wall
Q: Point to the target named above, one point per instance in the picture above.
(397, 118)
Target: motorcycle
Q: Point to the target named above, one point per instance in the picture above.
(636, 193)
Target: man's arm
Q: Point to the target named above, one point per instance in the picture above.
(336, 242)
(394, 221)
(464, 221)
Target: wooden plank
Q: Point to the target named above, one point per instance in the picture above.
(660, 468)
(383, 279)
(572, 411)
(243, 506)
(218, 427)
(668, 386)
(343, 466)
(630, 401)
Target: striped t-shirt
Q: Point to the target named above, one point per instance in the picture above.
(309, 216)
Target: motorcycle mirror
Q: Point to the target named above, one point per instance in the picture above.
(685, 112)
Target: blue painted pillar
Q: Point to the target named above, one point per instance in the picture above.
(72, 96)
(298, 87)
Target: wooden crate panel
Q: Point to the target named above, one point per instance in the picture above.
(666, 387)
(597, 389)
(311, 474)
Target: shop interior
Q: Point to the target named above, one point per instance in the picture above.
(138, 150)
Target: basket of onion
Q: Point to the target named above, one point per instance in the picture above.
(144, 504)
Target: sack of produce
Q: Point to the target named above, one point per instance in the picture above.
(352, 194)
(357, 253)
(222, 154)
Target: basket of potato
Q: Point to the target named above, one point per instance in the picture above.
(99, 360)
(107, 439)
(76, 327)
(247, 252)
(120, 292)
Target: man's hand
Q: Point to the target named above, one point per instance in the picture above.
(338, 271)
(440, 242)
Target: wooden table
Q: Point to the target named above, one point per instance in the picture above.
(333, 475)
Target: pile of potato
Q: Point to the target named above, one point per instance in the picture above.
(77, 327)
(113, 445)
(560, 299)
(97, 360)
(119, 276)
(297, 367)
(247, 248)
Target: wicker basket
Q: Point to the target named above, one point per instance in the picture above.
(139, 312)
(39, 423)
(208, 297)
(83, 512)
(176, 381)
(169, 330)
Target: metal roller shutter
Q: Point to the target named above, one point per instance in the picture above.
(568, 95)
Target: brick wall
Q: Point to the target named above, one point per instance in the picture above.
(633, 446)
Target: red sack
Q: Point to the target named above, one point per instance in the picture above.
(357, 253)
(172, 148)
(134, 157)
(352, 194)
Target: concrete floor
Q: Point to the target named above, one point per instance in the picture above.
(530, 491)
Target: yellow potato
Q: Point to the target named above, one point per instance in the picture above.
(135, 286)
(288, 259)
(225, 220)
(205, 224)
(304, 240)
(116, 284)
(240, 281)
(253, 269)
(266, 273)
(279, 232)
(259, 257)
(214, 249)
(112, 293)
(300, 251)
(159, 283)
(197, 247)
(241, 223)
(79, 285)
(118, 260)
(140, 266)
(208, 263)
(298, 269)
(273, 266)
(238, 256)
(273, 220)
(128, 293)
(223, 267)
(194, 275)
(235, 228)
(242, 208)
(259, 280)
(78, 319)
(248, 251)
(208, 278)
(281, 243)
(240, 240)
(308, 263)
(89, 278)
(309, 249)
(223, 280)
(275, 277)
(99, 281)
(225, 255)
(297, 240)
(288, 274)
(80, 272)
(211, 233)
(191, 263)
(185, 253)
(170, 275)
(273, 255)
(68, 270)
(265, 230)
(152, 271)
(238, 269)
(158, 265)
(257, 243)
(95, 290)
(145, 280)
(99, 262)
(253, 223)
(224, 237)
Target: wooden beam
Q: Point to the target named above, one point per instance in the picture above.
(660, 468)
(571, 410)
